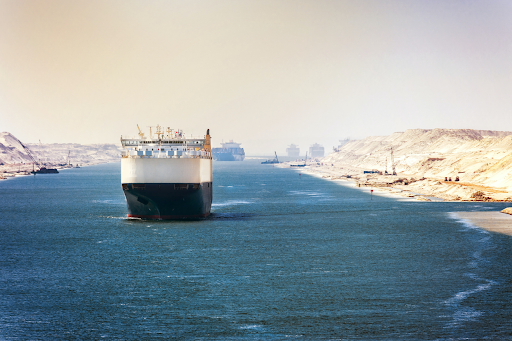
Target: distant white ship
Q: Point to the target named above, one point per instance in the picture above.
(316, 150)
(293, 150)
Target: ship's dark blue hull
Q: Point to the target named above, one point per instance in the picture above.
(227, 156)
(223, 156)
(168, 201)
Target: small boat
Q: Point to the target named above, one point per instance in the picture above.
(301, 164)
(270, 161)
(44, 170)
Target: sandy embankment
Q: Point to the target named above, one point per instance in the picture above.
(425, 190)
(12, 170)
(490, 221)
(423, 159)
(17, 159)
(409, 185)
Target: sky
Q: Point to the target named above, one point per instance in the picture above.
(263, 73)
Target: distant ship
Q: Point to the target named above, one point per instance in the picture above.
(316, 150)
(167, 176)
(293, 150)
(269, 161)
(230, 151)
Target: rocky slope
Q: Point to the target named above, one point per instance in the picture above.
(481, 159)
(12, 150)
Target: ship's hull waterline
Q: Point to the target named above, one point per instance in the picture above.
(167, 180)
(228, 157)
(168, 201)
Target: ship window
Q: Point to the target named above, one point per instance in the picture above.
(180, 186)
(139, 186)
(195, 186)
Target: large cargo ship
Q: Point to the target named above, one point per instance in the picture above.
(167, 176)
(230, 151)
(293, 150)
(316, 150)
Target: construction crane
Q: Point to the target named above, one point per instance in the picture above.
(34, 161)
(42, 162)
(141, 134)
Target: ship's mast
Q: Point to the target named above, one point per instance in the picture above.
(207, 141)
(159, 131)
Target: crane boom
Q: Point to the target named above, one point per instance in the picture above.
(141, 134)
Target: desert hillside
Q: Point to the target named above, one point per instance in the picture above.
(481, 159)
(17, 157)
(12, 150)
(78, 153)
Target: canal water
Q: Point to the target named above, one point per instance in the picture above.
(283, 256)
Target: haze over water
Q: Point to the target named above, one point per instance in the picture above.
(263, 73)
(282, 256)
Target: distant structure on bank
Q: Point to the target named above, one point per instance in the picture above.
(293, 150)
(342, 143)
(316, 150)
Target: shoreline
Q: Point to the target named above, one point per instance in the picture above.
(8, 171)
(408, 185)
(494, 221)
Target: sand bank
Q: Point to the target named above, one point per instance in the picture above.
(490, 221)
(16, 170)
(409, 185)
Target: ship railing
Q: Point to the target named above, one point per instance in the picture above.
(176, 154)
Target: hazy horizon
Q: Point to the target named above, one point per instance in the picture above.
(262, 73)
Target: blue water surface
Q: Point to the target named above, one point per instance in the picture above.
(282, 257)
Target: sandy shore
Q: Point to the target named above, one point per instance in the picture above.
(13, 170)
(409, 185)
(424, 190)
(490, 221)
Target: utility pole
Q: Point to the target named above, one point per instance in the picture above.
(393, 162)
